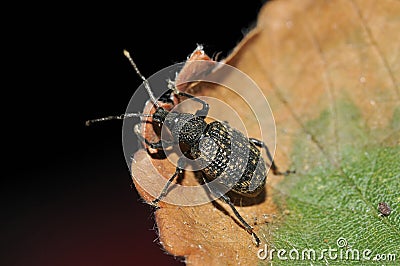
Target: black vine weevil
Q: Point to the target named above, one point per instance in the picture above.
(223, 153)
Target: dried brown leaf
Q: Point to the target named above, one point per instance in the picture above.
(305, 55)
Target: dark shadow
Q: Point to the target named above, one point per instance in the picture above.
(237, 199)
(243, 201)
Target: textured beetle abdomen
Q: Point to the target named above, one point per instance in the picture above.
(227, 154)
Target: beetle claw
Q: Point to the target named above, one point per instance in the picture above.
(256, 240)
(154, 203)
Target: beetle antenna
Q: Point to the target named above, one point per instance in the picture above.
(116, 117)
(145, 81)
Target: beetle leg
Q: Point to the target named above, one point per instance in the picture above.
(202, 112)
(159, 145)
(179, 170)
(249, 229)
(274, 168)
(227, 200)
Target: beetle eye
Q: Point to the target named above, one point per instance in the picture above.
(156, 118)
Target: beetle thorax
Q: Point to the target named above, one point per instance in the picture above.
(186, 128)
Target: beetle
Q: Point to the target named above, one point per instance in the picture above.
(384, 209)
(224, 153)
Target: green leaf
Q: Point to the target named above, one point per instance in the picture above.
(332, 204)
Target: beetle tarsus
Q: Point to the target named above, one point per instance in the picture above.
(256, 240)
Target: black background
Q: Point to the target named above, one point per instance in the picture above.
(66, 188)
